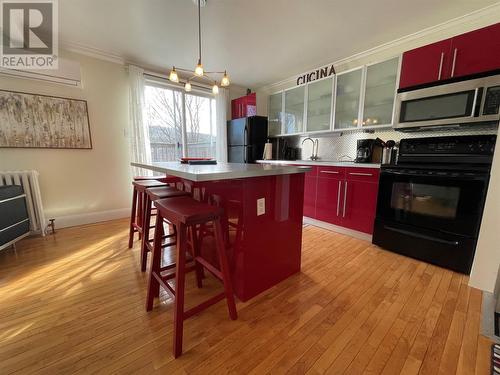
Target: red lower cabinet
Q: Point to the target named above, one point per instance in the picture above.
(360, 205)
(328, 200)
(344, 196)
(310, 196)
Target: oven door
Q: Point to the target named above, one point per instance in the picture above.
(447, 202)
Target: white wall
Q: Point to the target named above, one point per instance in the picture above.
(487, 259)
(85, 186)
(82, 185)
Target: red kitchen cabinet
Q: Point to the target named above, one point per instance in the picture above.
(245, 106)
(475, 52)
(344, 196)
(470, 53)
(328, 200)
(425, 64)
(360, 199)
(310, 186)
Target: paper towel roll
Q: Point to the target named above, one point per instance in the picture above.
(268, 151)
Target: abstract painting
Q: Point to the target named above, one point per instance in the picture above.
(39, 121)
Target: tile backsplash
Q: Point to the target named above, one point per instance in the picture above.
(343, 145)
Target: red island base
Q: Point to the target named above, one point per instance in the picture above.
(262, 226)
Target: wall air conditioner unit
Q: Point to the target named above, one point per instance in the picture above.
(68, 73)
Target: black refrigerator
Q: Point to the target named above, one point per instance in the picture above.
(246, 138)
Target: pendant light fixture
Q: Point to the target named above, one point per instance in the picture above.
(199, 72)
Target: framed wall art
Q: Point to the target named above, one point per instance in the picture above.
(40, 121)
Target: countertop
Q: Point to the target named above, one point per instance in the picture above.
(330, 163)
(220, 171)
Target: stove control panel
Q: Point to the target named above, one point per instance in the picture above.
(457, 145)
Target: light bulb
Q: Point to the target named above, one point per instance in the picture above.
(215, 88)
(225, 80)
(173, 75)
(199, 69)
(187, 87)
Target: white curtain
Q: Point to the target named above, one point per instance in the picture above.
(140, 151)
(221, 102)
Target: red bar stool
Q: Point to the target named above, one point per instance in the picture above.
(184, 213)
(152, 195)
(138, 201)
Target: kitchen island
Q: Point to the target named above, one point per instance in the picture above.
(262, 217)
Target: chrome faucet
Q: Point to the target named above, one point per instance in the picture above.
(315, 145)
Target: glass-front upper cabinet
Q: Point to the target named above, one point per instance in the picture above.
(319, 105)
(275, 114)
(380, 92)
(347, 97)
(294, 110)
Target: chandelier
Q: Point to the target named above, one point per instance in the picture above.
(199, 72)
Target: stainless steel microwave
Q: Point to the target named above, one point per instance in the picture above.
(470, 102)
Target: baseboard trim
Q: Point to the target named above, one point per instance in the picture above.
(90, 217)
(488, 316)
(338, 229)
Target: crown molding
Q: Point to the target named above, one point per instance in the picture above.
(96, 53)
(476, 15)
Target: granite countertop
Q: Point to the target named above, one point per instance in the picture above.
(330, 163)
(220, 171)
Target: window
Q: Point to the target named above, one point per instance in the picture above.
(180, 124)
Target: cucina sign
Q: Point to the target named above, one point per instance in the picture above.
(316, 74)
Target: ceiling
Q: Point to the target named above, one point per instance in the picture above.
(259, 41)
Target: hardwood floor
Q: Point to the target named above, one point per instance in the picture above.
(74, 303)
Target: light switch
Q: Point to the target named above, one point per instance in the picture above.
(261, 206)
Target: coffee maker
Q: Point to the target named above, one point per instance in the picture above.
(369, 151)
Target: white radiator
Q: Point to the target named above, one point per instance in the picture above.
(29, 181)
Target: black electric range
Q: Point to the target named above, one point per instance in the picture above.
(431, 203)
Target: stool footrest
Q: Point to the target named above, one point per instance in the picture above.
(202, 306)
(209, 267)
(163, 280)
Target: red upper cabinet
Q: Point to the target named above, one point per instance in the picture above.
(476, 52)
(470, 53)
(425, 64)
(245, 106)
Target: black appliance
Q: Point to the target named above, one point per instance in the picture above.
(246, 138)
(431, 203)
(368, 151)
(14, 221)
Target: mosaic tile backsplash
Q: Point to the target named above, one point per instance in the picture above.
(343, 146)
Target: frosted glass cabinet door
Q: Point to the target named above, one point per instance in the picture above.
(294, 110)
(319, 105)
(347, 99)
(380, 92)
(275, 114)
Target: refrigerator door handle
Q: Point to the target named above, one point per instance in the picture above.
(245, 136)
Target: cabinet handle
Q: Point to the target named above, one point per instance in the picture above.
(345, 199)
(360, 174)
(454, 61)
(441, 65)
(338, 198)
(332, 172)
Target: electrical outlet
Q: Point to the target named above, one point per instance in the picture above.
(261, 206)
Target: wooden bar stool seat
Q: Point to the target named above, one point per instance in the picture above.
(138, 201)
(153, 194)
(186, 213)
